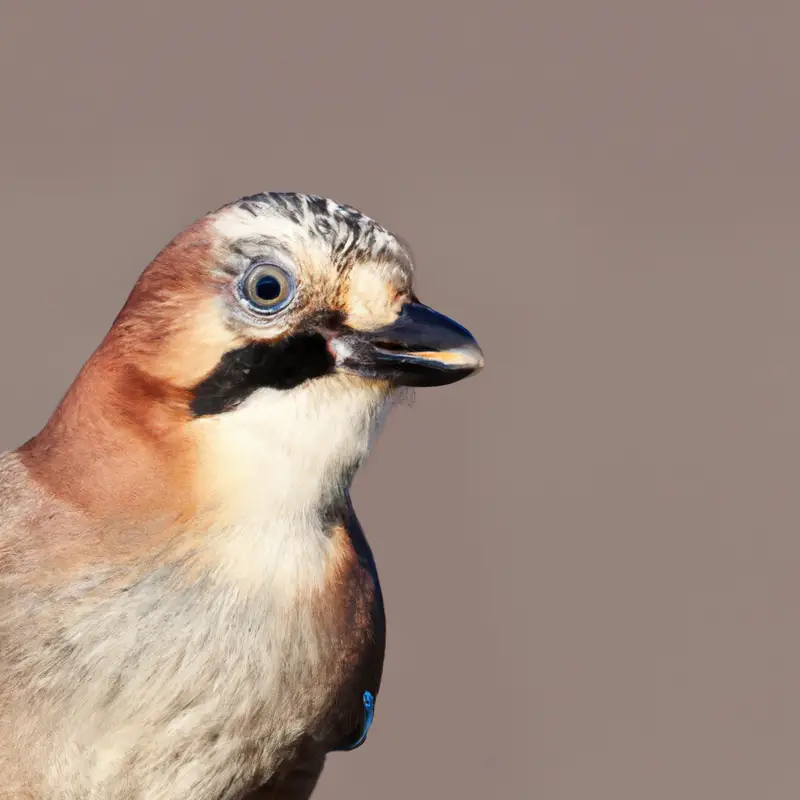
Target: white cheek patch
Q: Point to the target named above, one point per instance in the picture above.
(341, 350)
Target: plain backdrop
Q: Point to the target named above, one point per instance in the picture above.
(589, 552)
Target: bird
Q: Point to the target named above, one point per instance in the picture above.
(189, 607)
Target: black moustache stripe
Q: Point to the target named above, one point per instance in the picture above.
(283, 364)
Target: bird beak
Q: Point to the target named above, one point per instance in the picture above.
(420, 348)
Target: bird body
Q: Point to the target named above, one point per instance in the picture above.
(188, 605)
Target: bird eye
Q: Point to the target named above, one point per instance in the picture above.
(268, 288)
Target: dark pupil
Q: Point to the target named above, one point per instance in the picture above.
(268, 288)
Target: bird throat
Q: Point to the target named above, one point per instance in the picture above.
(284, 437)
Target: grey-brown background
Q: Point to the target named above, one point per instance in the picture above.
(590, 552)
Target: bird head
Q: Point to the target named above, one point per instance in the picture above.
(254, 359)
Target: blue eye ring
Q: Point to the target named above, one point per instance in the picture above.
(267, 288)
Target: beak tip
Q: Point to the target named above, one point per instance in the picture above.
(477, 360)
